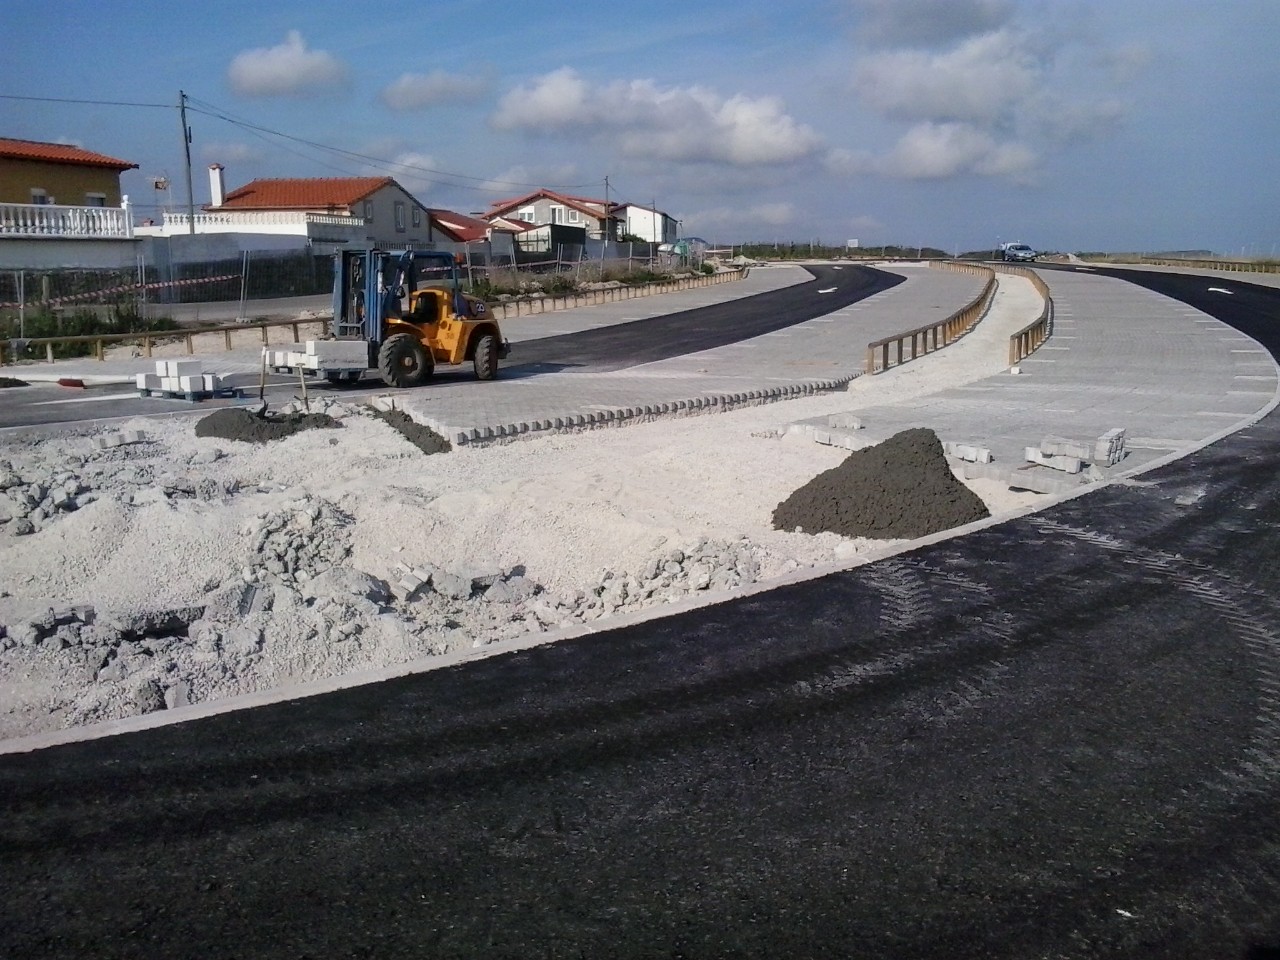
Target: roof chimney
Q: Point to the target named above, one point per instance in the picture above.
(217, 189)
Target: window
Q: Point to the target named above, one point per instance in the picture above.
(557, 214)
(399, 216)
(368, 210)
(526, 214)
(575, 216)
(39, 196)
(95, 199)
(417, 217)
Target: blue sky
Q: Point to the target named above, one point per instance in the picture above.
(1070, 124)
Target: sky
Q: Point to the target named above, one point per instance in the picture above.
(1071, 125)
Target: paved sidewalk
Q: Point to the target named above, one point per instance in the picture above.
(816, 356)
(1120, 356)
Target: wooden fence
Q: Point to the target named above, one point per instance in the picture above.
(900, 348)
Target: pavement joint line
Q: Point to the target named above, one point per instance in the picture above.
(1219, 413)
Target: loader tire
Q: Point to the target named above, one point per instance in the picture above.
(486, 357)
(402, 362)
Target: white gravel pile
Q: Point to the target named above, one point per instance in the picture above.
(145, 568)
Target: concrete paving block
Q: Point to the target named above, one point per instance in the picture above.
(171, 384)
(191, 384)
(1042, 481)
(212, 381)
(844, 421)
(148, 381)
(1064, 447)
(182, 368)
(1065, 464)
(384, 403)
(822, 436)
(985, 471)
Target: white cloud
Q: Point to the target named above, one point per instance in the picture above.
(849, 163)
(930, 151)
(930, 22)
(982, 80)
(984, 93)
(417, 91)
(645, 121)
(287, 70)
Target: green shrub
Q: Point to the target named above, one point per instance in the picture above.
(81, 322)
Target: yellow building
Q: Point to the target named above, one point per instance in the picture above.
(32, 172)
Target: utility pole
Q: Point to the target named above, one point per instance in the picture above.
(186, 146)
(608, 222)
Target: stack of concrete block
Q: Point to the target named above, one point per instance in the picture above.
(339, 353)
(322, 355)
(967, 451)
(1109, 448)
(179, 376)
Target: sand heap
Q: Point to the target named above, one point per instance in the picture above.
(902, 488)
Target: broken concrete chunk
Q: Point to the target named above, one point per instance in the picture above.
(844, 421)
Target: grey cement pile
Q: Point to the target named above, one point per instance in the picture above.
(902, 488)
(247, 425)
(420, 435)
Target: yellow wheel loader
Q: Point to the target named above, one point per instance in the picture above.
(408, 309)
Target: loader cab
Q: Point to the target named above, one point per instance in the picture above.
(428, 305)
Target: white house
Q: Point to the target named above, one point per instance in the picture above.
(311, 210)
(648, 223)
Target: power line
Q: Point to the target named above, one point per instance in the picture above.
(218, 113)
(96, 103)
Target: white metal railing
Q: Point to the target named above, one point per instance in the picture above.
(283, 222)
(71, 223)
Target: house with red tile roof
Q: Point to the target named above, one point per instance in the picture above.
(59, 174)
(61, 206)
(315, 210)
(597, 217)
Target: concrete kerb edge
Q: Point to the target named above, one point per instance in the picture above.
(618, 416)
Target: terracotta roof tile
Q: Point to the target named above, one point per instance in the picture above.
(59, 153)
(460, 228)
(313, 193)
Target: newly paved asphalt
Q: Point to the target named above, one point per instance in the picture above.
(1057, 736)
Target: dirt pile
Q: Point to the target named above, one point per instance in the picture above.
(902, 488)
(420, 435)
(237, 423)
(12, 382)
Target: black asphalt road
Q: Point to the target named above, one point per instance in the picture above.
(608, 348)
(1057, 737)
(674, 335)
